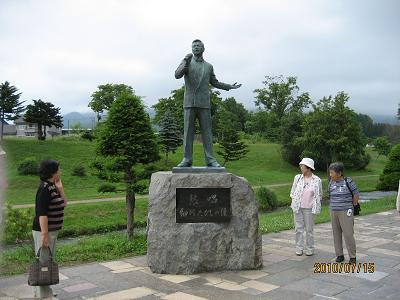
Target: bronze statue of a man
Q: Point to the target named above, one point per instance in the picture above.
(198, 75)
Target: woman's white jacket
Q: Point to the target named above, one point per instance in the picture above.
(297, 192)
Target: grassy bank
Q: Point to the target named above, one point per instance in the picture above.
(84, 219)
(262, 166)
(111, 246)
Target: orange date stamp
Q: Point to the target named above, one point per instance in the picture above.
(344, 268)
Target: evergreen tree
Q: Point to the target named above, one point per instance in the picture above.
(10, 107)
(43, 114)
(169, 134)
(231, 148)
(125, 140)
(389, 179)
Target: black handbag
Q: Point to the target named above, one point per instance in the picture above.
(43, 273)
(357, 209)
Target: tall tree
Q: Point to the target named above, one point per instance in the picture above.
(266, 124)
(227, 121)
(169, 134)
(125, 140)
(231, 148)
(103, 98)
(332, 133)
(10, 107)
(231, 114)
(281, 96)
(291, 130)
(43, 114)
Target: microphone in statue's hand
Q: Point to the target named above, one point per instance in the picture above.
(235, 86)
(188, 56)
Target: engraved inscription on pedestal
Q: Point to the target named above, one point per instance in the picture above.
(203, 205)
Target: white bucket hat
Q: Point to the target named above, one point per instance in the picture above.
(307, 162)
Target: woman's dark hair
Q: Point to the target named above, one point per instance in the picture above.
(48, 168)
(337, 167)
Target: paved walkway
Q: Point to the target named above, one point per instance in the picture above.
(283, 276)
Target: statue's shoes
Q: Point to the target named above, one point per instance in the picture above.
(214, 164)
(184, 164)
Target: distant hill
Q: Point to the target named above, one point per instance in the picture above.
(384, 119)
(87, 119)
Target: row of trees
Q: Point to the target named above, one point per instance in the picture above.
(41, 113)
(328, 130)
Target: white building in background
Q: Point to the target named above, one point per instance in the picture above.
(9, 129)
(25, 129)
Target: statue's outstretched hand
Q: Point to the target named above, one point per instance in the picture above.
(235, 86)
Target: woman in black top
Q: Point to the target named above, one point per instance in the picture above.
(49, 215)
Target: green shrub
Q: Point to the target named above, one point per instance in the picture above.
(389, 179)
(107, 188)
(79, 171)
(18, 225)
(255, 138)
(266, 199)
(29, 166)
(87, 135)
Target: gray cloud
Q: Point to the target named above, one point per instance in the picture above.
(61, 50)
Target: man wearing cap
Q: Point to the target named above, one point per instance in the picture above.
(306, 197)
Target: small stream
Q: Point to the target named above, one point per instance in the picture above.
(370, 196)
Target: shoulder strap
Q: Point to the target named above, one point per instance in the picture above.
(348, 186)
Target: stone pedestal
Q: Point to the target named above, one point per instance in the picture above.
(187, 248)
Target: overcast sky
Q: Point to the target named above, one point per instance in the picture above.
(60, 51)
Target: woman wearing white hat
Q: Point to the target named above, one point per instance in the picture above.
(306, 197)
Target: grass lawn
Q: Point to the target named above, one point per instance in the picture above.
(101, 217)
(262, 166)
(92, 218)
(70, 153)
(283, 219)
(111, 246)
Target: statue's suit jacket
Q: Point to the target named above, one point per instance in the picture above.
(197, 92)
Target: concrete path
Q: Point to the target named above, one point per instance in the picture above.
(283, 276)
